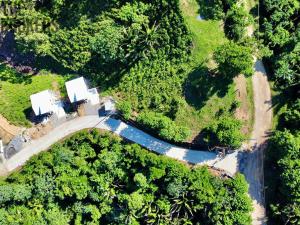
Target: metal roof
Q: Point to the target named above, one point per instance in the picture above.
(42, 102)
(77, 90)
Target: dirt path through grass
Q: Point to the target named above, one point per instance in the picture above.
(244, 96)
(253, 168)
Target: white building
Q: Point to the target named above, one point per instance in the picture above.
(77, 90)
(109, 106)
(45, 102)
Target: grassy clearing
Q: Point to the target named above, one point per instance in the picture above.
(15, 91)
(206, 97)
(207, 34)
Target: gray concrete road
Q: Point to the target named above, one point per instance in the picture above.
(228, 164)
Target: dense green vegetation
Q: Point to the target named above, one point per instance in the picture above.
(163, 126)
(94, 178)
(234, 59)
(280, 32)
(15, 91)
(155, 56)
(236, 22)
(282, 167)
(226, 132)
(284, 155)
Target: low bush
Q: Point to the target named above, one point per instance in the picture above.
(125, 109)
(291, 117)
(236, 22)
(233, 59)
(225, 132)
(164, 126)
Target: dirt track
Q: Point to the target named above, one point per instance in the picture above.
(253, 161)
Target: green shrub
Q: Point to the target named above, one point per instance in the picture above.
(226, 132)
(233, 59)
(215, 9)
(291, 117)
(237, 20)
(125, 109)
(163, 126)
(37, 43)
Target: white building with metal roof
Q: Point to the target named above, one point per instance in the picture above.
(78, 90)
(43, 102)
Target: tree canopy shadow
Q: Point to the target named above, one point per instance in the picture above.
(201, 84)
(284, 96)
(67, 18)
(50, 64)
(254, 11)
(205, 9)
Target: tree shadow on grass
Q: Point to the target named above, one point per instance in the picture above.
(205, 9)
(201, 84)
(284, 96)
(50, 64)
(254, 11)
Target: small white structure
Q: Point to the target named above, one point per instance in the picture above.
(43, 102)
(109, 106)
(94, 96)
(78, 91)
(1, 147)
(2, 157)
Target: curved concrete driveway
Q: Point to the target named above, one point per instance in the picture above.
(228, 164)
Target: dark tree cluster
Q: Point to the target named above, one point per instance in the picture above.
(281, 33)
(108, 35)
(236, 18)
(95, 178)
(284, 151)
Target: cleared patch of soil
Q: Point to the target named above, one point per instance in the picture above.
(39, 130)
(8, 131)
